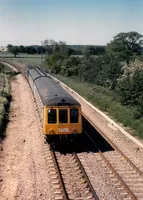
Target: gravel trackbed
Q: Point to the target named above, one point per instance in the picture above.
(25, 156)
(23, 163)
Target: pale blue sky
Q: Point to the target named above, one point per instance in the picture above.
(73, 21)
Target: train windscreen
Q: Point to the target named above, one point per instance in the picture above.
(63, 116)
(73, 115)
(52, 116)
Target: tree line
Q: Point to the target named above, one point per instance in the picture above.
(47, 47)
(117, 66)
(34, 49)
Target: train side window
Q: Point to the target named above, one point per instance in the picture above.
(52, 116)
(63, 116)
(73, 115)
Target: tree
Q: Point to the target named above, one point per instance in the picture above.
(40, 49)
(56, 53)
(101, 71)
(125, 46)
(30, 50)
(49, 45)
(21, 49)
(70, 66)
(94, 50)
(71, 51)
(130, 88)
(9, 47)
(15, 50)
(90, 51)
(99, 50)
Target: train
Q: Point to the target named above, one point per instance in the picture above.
(59, 112)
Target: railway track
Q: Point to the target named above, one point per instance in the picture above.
(121, 169)
(130, 178)
(81, 187)
(75, 184)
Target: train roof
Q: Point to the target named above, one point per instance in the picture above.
(51, 93)
(35, 72)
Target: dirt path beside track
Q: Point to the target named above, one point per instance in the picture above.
(23, 164)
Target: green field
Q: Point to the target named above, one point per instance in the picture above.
(8, 54)
(31, 59)
(107, 101)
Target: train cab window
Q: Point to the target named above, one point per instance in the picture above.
(73, 115)
(63, 116)
(52, 116)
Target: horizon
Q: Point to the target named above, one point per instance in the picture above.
(66, 44)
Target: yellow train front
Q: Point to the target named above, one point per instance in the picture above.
(59, 112)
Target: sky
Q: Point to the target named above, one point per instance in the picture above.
(87, 22)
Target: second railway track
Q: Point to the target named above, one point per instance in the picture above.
(73, 179)
(127, 177)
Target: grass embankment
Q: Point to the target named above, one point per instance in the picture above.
(5, 98)
(36, 61)
(107, 101)
(30, 59)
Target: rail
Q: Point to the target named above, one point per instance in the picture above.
(127, 189)
(59, 174)
(86, 177)
(65, 194)
(114, 146)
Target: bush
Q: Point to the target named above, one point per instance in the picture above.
(70, 66)
(130, 87)
(4, 104)
(101, 71)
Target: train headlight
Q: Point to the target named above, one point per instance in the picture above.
(51, 131)
(74, 130)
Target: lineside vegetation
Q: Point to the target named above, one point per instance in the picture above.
(107, 101)
(111, 79)
(109, 76)
(5, 76)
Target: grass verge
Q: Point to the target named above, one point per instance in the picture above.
(5, 99)
(30, 59)
(107, 101)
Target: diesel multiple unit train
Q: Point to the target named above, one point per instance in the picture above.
(59, 112)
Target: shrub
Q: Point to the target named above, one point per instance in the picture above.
(130, 87)
(101, 71)
(4, 104)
